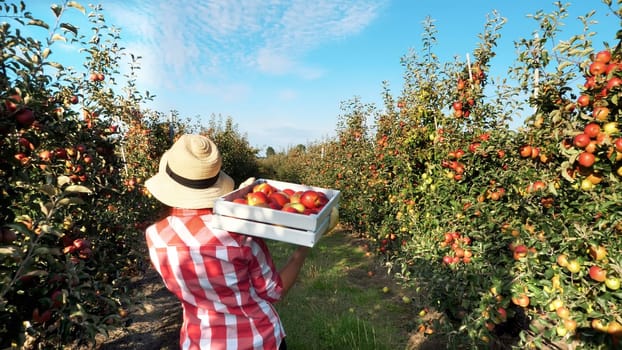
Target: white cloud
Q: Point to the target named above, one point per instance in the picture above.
(226, 92)
(288, 95)
(273, 62)
(209, 38)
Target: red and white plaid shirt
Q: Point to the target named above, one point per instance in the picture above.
(225, 281)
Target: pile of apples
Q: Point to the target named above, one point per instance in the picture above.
(268, 196)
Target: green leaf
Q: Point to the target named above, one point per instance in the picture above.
(46, 251)
(7, 250)
(40, 273)
(57, 10)
(49, 190)
(56, 65)
(69, 27)
(46, 52)
(57, 37)
(45, 228)
(63, 180)
(78, 189)
(71, 200)
(564, 65)
(80, 311)
(21, 228)
(46, 208)
(77, 6)
(38, 22)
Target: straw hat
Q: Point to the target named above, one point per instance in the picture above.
(189, 175)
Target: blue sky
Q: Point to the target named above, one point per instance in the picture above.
(281, 68)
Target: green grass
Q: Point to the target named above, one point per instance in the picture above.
(336, 304)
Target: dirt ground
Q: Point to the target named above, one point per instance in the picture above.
(153, 323)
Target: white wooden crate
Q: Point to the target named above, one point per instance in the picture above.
(274, 224)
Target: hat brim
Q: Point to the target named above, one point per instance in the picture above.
(173, 194)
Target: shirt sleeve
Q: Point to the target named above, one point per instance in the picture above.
(264, 276)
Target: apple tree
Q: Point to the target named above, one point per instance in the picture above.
(68, 236)
(512, 232)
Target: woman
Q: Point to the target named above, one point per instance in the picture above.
(226, 282)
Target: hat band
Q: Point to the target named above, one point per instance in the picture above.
(195, 184)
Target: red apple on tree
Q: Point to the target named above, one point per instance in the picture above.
(24, 142)
(520, 251)
(592, 130)
(603, 56)
(60, 153)
(583, 101)
(597, 273)
(45, 155)
(614, 83)
(586, 159)
(598, 252)
(525, 151)
(12, 102)
(87, 159)
(600, 113)
(521, 300)
(536, 186)
(81, 243)
(598, 68)
(473, 146)
(25, 117)
(581, 140)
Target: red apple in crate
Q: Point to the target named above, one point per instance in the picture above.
(294, 207)
(240, 200)
(309, 211)
(274, 205)
(257, 199)
(280, 198)
(311, 199)
(295, 197)
(289, 191)
(264, 187)
(323, 198)
(288, 208)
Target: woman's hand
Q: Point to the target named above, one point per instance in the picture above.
(247, 182)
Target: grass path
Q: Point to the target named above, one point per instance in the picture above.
(344, 299)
